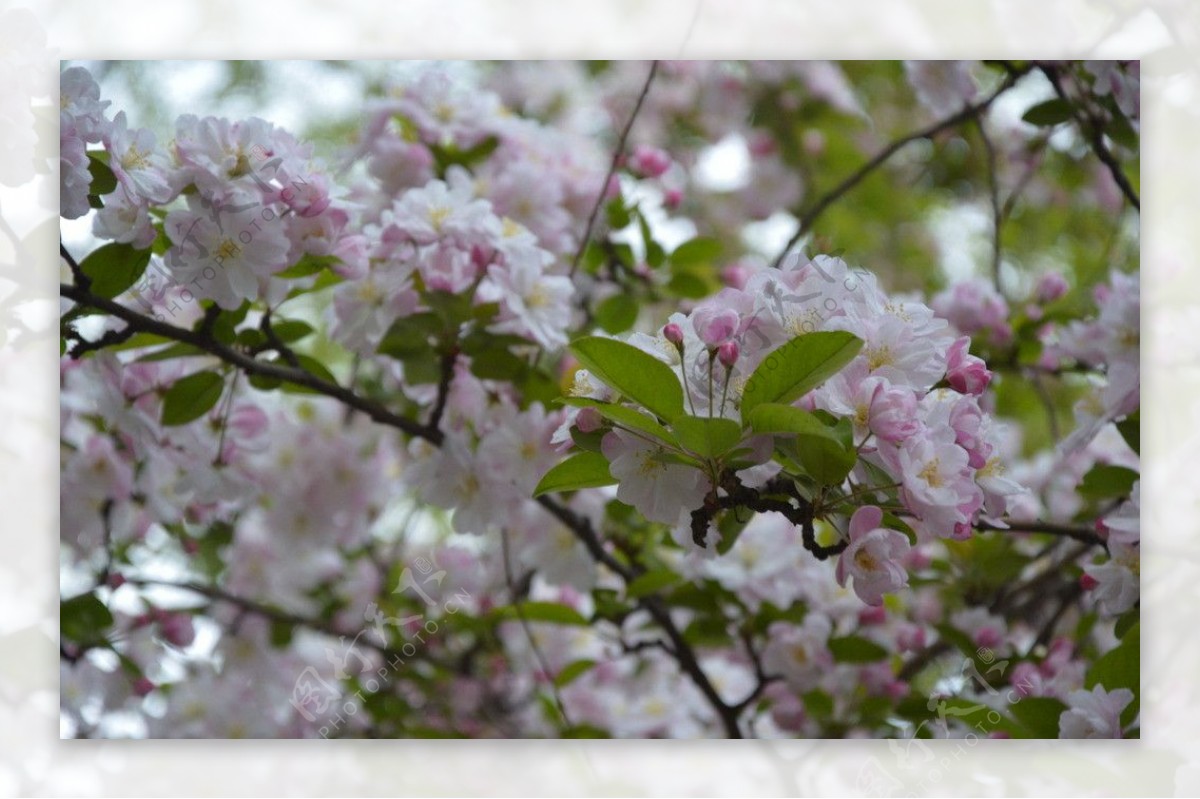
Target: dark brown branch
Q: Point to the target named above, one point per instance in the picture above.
(579, 526)
(1093, 131)
(738, 496)
(1081, 534)
(443, 389)
(809, 217)
(277, 344)
(250, 365)
(618, 152)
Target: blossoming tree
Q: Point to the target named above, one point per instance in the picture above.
(514, 417)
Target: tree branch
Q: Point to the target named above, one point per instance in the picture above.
(618, 151)
(1093, 131)
(808, 218)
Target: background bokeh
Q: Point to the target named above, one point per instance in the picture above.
(34, 761)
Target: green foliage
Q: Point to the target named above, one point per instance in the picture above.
(191, 397)
(84, 619)
(633, 373)
(707, 437)
(113, 268)
(798, 366)
(582, 470)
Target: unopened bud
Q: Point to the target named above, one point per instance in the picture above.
(674, 334)
(727, 354)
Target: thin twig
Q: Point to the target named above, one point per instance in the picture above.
(516, 600)
(612, 169)
(808, 218)
(1094, 133)
(994, 196)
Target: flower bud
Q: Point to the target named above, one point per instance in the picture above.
(649, 162)
(727, 354)
(1050, 287)
(964, 372)
(674, 334)
(142, 686)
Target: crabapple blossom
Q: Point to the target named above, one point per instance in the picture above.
(649, 481)
(434, 429)
(872, 557)
(1094, 714)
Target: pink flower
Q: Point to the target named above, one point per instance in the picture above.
(715, 325)
(1094, 714)
(873, 557)
(649, 162)
(892, 413)
(966, 373)
(136, 162)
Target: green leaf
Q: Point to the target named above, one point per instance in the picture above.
(289, 330)
(103, 179)
(581, 470)
(632, 372)
(308, 264)
(113, 268)
(1120, 667)
(572, 672)
(1038, 714)
(191, 397)
(313, 367)
(708, 438)
(696, 251)
(84, 618)
(820, 449)
(856, 649)
(771, 417)
(625, 417)
(797, 367)
(409, 335)
(618, 313)
(1105, 481)
(1050, 112)
(547, 612)
(1126, 622)
(651, 582)
(497, 364)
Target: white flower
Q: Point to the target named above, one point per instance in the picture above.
(660, 489)
(1094, 714)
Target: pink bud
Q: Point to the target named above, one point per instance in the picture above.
(966, 373)
(872, 615)
(116, 580)
(177, 629)
(988, 636)
(649, 162)
(674, 334)
(142, 686)
(1050, 287)
(727, 354)
(672, 199)
(191, 546)
(1088, 582)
